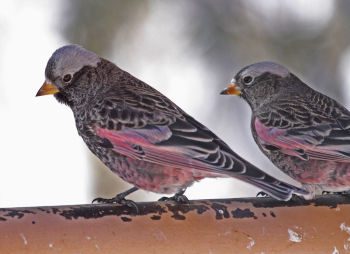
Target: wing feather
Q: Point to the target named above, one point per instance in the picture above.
(320, 142)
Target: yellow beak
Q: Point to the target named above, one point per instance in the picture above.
(46, 89)
(232, 89)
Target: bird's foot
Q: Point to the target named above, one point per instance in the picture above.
(344, 193)
(116, 200)
(297, 199)
(119, 199)
(179, 197)
(262, 194)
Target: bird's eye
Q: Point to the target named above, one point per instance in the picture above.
(247, 79)
(67, 78)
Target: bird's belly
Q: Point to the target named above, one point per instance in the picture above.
(329, 175)
(155, 177)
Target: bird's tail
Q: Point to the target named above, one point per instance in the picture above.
(277, 189)
(269, 184)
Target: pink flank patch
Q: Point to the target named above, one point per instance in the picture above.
(277, 137)
(163, 169)
(324, 167)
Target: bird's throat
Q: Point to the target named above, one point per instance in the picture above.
(63, 98)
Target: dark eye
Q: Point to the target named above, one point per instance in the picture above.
(247, 79)
(67, 78)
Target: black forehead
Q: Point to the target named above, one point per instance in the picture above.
(238, 75)
(51, 65)
(261, 68)
(263, 75)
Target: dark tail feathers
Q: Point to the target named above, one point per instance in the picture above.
(277, 189)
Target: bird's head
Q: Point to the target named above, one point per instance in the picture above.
(63, 69)
(261, 82)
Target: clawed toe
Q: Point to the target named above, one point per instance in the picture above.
(129, 203)
(104, 200)
(262, 194)
(343, 193)
(178, 198)
(119, 199)
(182, 199)
(297, 199)
(164, 199)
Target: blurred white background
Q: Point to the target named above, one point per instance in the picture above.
(189, 50)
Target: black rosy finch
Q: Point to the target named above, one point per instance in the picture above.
(303, 132)
(140, 134)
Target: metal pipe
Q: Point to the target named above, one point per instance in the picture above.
(253, 225)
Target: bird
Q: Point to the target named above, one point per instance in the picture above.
(140, 134)
(303, 132)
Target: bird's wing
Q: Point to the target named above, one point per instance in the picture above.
(321, 140)
(143, 124)
(176, 143)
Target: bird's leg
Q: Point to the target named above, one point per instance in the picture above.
(119, 199)
(179, 197)
(262, 194)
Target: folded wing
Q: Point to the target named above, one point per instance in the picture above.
(325, 141)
